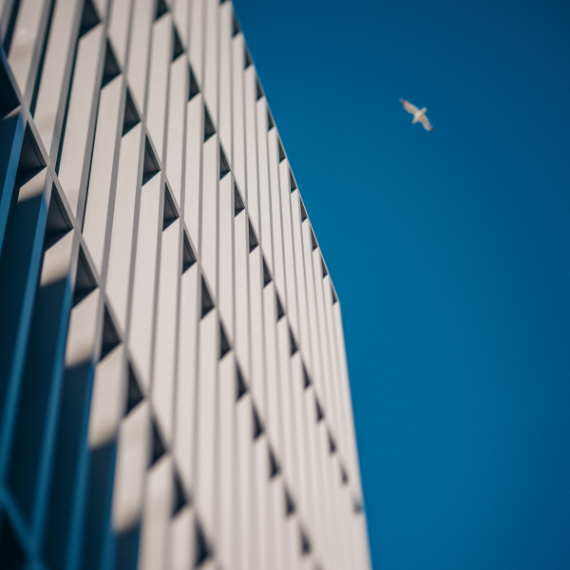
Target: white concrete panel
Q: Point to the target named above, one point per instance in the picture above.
(193, 175)
(343, 422)
(185, 416)
(176, 123)
(196, 51)
(118, 30)
(276, 219)
(156, 515)
(272, 376)
(304, 336)
(252, 195)
(57, 52)
(257, 337)
(265, 235)
(23, 45)
(336, 532)
(139, 45)
(108, 399)
(317, 518)
(211, 59)
(246, 504)
(360, 541)
(133, 455)
(226, 514)
(180, 13)
(209, 225)
(225, 87)
(238, 113)
(206, 410)
(304, 447)
(288, 247)
(160, 55)
(278, 545)
(261, 478)
(81, 336)
(163, 383)
(347, 401)
(83, 93)
(123, 223)
(104, 149)
(318, 376)
(226, 262)
(56, 262)
(182, 546)
(242, 291)
(327, 357)
(291, 540)
(145, 277)
(289, 460)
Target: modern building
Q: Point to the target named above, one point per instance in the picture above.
(173, 382)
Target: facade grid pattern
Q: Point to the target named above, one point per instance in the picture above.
(173, 382)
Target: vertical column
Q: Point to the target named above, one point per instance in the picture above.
(185, 412)
(119, 268)
(19, 271)
(70, 458)
(133, 457)
(304, 336)
(77, 144)
(56, 72)
(193, 176)
(331, 386)
(176, 125)
(160, 57)
(252, 195)
(257, 339)
(27, 40)
(158, 502)
(34, 423)
(226, 260)
(265, 237)
(145, 278)
(139, 45)
(242, 314)
(225, 92)
(209, 223)
(246, 503)
(204, 468)
(317, 360)
(163, 384)
(197, 26)
(285, 178)
(118, 29)
(276, 218)
(226, 499)
(238, 112)
(211, 59)
(103, 163)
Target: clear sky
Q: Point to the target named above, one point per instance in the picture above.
(450, 255)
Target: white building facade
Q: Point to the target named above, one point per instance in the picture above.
(173, 382)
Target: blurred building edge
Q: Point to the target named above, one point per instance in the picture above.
(173, 382)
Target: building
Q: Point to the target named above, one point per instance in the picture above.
(173, 383)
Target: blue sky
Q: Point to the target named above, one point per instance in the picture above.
(449, 253)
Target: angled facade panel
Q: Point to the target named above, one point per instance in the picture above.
(174, 390)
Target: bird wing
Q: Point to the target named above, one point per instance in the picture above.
(425, 122)
(409, 107)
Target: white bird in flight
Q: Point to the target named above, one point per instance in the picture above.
(419, 114)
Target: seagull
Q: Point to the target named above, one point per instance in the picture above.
(419, 114)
